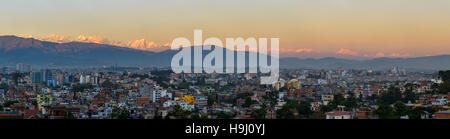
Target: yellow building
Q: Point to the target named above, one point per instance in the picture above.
(44, 99)
(293, 84)
(188, 98)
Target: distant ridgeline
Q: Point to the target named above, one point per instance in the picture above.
(14, 50)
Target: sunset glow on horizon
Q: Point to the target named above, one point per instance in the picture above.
(309, 28)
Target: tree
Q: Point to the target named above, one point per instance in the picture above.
(15, 76)
(211, 100)
(223, 115)
(400, 109)
(338, 99)
(157, 114)
(4, 86)
(9, 103)
(327, 108)
(385, 112)
(351, 102)
(115, 112)
(118, 113)
(183, 85)
(304, 110)
(202, 81)
(68, 115)
(82, 87)
(179, 113)
(249, 102)
(271, 97)
(444, 87)
(259, 114)
(409, 96)
(196, 114)
(124, 114)
(285, 113)
(393, 95)
(109, 84)
(416, 112)
(142, 76)
(445, 75)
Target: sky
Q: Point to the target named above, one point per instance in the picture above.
(306, 28)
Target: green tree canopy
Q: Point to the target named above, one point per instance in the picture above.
(385, 112)
(391, 96)
(223, 115)
(259, 114)
(179, 113)
(400, 109)
(444, 87)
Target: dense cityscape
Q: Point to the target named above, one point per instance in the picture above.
(157, 93)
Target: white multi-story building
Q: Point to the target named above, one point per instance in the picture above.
(82, 79)
(157, 94)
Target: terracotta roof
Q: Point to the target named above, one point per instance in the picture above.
(10, 116)
(30, 113)
(338, 113)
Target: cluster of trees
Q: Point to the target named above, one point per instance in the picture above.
(394, 94)
(142, 76)
(4, 86)
(271, 97)
(82, 87)
(247, 97)
(7, 104)
(179, 113)
(16, 75)
(182, 85)
(118, 113)
(211, 100)
(109, 84)
(444, 88)
(338, 99)
(287, 111)
(68, 115)
(223, 115)
(259, 113)
(400, 109)
(391, 104)
(161, 77)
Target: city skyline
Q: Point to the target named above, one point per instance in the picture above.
(321, 28)
(211, 68)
